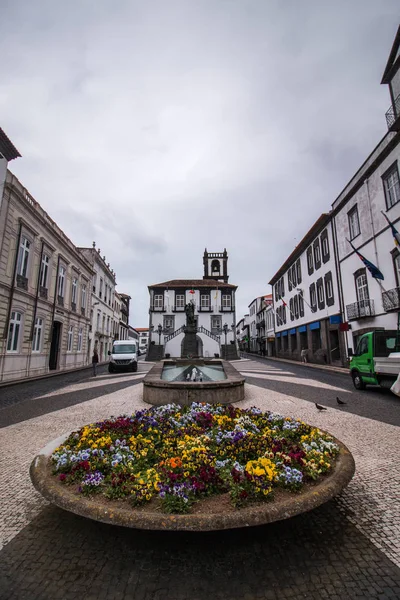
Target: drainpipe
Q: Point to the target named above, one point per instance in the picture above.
(5, 331)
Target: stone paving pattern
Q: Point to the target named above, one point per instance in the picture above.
(348, 548)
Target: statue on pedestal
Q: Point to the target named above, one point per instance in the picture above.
(190, 319)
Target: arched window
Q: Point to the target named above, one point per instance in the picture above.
(215, 267)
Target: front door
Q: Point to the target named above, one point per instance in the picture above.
(55, 345)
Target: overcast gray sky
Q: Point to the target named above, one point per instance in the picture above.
(160, 128)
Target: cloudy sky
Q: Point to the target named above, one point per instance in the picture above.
(160, 128)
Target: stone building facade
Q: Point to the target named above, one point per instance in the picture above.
(102, 302)
(44, 290)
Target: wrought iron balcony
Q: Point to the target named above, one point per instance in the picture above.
(43, 292)
(22, 282)
(391, 299)
(360, 310)
(393, 116)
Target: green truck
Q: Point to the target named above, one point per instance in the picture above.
(376, 360)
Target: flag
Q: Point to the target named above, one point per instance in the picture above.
(396, 234)
(192, 292)
(284, 303)
(375, 272)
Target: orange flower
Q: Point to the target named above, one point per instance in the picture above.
(175, 462)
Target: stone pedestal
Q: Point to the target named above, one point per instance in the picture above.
(189, 347)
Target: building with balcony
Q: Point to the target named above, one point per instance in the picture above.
(306, 300)
(44, 288)
(391, 77)
(102, 329)
(143, 333)
(357, 215)
(214, 301)
(121, 316)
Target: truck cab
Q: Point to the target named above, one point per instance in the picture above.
(376, 360)
(123, 356)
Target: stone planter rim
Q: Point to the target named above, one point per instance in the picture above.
(96, 508)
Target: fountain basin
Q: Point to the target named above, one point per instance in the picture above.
(163, 384)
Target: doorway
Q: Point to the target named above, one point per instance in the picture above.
(55, 345)
(334, 343)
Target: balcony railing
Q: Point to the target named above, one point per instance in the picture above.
(60, 300)
(178, 309)
(206, 309)
(391, 299)
(226, 308)
(393, 115)
(22, 282)
(73, 306)
(360, 310)
(43, 292)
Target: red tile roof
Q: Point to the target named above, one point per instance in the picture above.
(7, 148)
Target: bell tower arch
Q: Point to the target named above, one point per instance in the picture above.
(216, 265)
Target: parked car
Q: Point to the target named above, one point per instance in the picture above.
(123, 356)
(376, 360)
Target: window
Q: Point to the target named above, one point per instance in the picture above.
(83, 297)
(320, 293)
(105, 292)
(216, 322)
(44, 271)
(298, 271)
(74, 289)
(158, 301)
(94, 283)
(70, 338)
(301, 305)
(205, 301)
(354, 223)
(37, 335)
(329, 289)
(169, 323)
(325, 246)
(391, 185)
(396, 262)
(362, 346)
(23, 257)
(313, 297)
(103, 326)
(179, 300)
(310, 261)
(317, 254)
(98, 322)
(61, 282)
(362, 287)
(79, 348)
(296, 307)
(13, 331)
(291, 309)
(101, 288)
(226, 301)
(108, 325)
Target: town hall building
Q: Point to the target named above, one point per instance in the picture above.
(213, 301)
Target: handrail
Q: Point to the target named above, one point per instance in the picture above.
(202, 329)
(174, 333)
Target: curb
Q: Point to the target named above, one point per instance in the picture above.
(4, 384)
(328, 368)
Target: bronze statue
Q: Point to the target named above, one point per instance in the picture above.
(189, 310)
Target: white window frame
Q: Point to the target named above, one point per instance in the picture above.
(80, 337)
(74, 290)
(320, 292)
(101, 288)
(14, 329)
(226, 301)
(62, 271)
(325, 246)
(83, 296)
(354, 222)
(317, 253)
(23, 256)
(362, 288)
(216, 319)
(310, 259)
(98, 321)
(158, 301)
(313, 297)
(205, 300)
(180, 300)
(329, 289)
(44, 270)
(37, 335)
(70, 340)
(391, 185)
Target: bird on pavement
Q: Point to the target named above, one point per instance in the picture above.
(339, 401)
(320, 407)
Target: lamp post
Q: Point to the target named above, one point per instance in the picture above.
(159, 330)
(225, 329)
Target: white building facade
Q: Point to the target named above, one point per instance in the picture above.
(101, 333)
(214, 301)
(306, 300)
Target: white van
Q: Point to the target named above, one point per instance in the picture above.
(123, 356)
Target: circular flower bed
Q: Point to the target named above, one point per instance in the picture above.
(176, 456)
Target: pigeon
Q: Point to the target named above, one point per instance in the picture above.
(320, 407)
(339, 401)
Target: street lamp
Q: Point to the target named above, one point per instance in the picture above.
(225, 329)
(159, 329)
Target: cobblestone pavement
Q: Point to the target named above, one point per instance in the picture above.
(348, 548)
